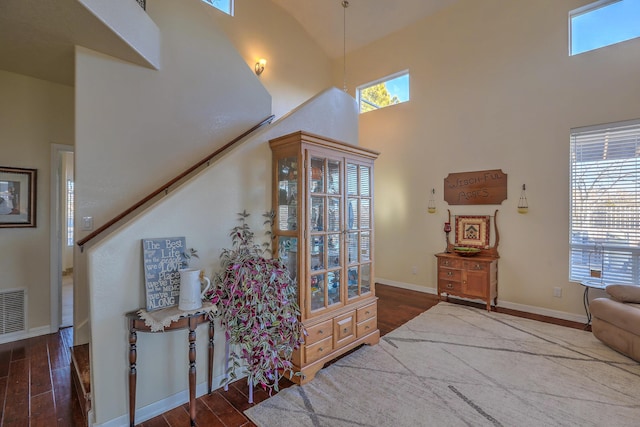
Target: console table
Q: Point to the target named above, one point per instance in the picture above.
(189, 320)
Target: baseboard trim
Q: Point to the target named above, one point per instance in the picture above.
(501, 303)
(160, 407)
(22, 335)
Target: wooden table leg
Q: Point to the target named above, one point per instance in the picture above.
(132, 373)
(192, 370)
(210, 371)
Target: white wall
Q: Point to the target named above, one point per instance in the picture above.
(137, 128)
(297, 68)
(492, 87)
(33, 115)
(204, 211)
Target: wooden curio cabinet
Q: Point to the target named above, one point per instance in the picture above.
(323, 231)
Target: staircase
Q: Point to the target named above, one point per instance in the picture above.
(81, 378)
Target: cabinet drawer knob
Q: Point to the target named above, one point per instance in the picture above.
(449, 273)
(449, 286)
(366, 312)
(366, 327)
(478, 266)
(445, 263)
(320, 332)
(320, 350)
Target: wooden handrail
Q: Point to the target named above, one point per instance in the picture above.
(165, 188)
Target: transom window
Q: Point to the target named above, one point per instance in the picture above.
(224, 5)
(382, 93)
(605, 203)
(603, 23)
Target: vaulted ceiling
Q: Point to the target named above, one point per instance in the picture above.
(37, 38)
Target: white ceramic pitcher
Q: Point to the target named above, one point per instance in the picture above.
(191, 292)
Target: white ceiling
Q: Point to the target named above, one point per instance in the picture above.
(366, 20)
(37, 38)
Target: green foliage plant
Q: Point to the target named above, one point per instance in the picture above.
(257, 307)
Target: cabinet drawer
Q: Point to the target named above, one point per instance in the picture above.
(369, 325)
(449, 274)
(476, 266)
(366, 312)
(319, 332)
(449, 286)
(344, 329)
(318, 350)
(450, 262)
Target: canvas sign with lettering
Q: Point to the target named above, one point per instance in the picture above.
(162, 258)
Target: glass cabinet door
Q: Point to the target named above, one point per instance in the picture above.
(359, 230)
(287, 197)
(325, 232)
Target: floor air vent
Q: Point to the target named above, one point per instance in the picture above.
(12, 311)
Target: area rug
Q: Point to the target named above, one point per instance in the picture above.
(461, 366)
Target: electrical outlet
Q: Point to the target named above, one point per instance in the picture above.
(414, 270)
(557, 292)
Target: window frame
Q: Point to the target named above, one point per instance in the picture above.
(601, 222)
(231, 6)
(588, 8)
(384, 79)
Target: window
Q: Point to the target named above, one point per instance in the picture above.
(224, 5)
(605, 203)
(69, 215)
(387, 91)
(603, 23)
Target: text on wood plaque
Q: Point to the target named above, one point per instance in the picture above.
(487, 187)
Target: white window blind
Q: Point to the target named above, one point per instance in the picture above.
(605, 203)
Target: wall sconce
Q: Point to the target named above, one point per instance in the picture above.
(523, 205)
(259, 68)
(431, 206)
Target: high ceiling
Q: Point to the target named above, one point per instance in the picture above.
(366, 20)
(38, 38)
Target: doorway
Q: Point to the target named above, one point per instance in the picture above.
(62, 237)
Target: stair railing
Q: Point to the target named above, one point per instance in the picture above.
(171, 184)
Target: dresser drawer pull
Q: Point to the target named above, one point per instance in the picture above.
(445, 263)
(320, 332)
(345, 330)
(366, 327)
(449, 286)
(478, 267)
(449, 273)
(366, 312)
(320, 350)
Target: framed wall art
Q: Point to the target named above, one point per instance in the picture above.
(17, 197)
(472, 231)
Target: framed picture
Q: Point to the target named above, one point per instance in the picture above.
(472, 231)
(17, 197)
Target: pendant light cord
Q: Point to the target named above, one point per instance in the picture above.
(345, 5)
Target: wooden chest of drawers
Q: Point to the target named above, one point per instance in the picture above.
(468, 277)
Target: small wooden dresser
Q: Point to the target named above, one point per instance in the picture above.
(468, 277)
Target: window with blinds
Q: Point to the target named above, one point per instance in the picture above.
(605, 203)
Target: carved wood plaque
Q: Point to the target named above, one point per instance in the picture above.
(487, 187)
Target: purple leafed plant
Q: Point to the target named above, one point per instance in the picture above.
(257, 306)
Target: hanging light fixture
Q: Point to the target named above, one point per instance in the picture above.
(345, 5)
(523, 205)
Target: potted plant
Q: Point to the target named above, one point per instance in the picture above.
(257, 307)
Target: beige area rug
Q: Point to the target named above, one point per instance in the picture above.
(460, 366)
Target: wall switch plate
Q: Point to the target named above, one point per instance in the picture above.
(557, 292)
(87, 223)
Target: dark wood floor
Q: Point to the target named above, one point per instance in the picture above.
(36, 385)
